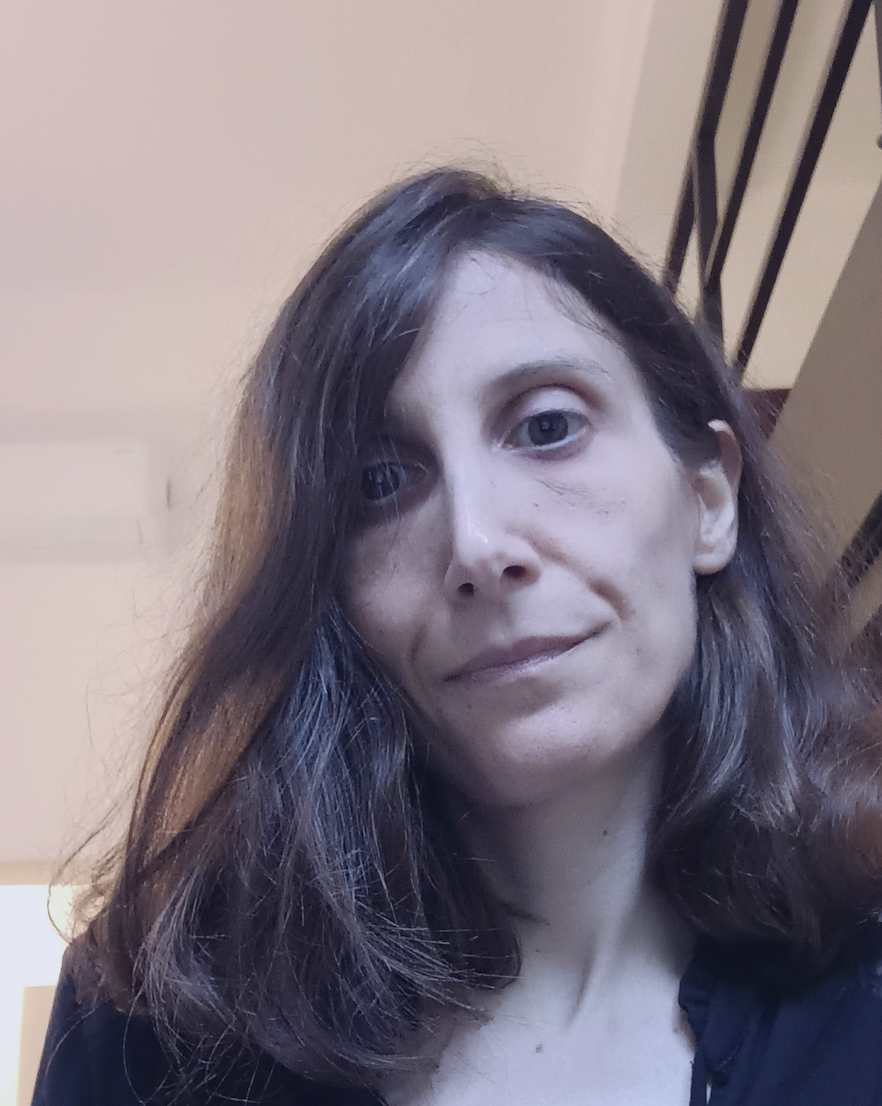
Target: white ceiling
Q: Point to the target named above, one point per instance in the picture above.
(213, 139)
(169, 166)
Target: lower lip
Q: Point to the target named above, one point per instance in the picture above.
(517, 670)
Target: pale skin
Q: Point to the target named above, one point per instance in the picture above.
(526, 571)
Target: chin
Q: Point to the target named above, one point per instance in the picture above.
(514, 773)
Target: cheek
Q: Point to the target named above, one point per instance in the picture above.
(670, 638)
(647, 547)
(377, 597)
(667, 597)
(360, 588)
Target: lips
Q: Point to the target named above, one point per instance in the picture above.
(513, 659)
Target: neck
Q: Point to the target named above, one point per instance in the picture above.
(573, 868)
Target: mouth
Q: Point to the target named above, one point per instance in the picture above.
(513, 661)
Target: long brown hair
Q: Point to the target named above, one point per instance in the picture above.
(292, 881)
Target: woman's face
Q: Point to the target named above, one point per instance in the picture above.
(525, 567)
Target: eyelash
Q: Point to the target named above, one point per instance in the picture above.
(395, 474)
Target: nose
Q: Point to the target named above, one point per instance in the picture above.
(490, 550)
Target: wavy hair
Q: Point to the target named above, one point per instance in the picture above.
(292, 882)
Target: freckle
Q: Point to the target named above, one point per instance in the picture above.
(538, 1048)
(605, 833)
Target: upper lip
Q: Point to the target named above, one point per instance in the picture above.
(519, 652)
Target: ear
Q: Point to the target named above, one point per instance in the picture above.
(716, 486)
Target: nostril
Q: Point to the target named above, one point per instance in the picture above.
(515, 572)
(466, 589)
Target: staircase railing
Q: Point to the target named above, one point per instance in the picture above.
(712, 219)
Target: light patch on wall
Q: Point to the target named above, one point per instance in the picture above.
(81, 498)
(31, 957)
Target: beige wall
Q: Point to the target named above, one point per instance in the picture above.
(830, 431)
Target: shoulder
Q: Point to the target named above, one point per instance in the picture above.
(812, 1042)
(96, 1055)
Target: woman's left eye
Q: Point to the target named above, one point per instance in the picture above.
(547, 428)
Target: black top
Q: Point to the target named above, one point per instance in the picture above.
(757, 1044)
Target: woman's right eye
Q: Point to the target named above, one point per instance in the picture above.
(381, 480)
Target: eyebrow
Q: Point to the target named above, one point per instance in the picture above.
(519, 375)
(532, 370)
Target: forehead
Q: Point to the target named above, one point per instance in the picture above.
(498, 321)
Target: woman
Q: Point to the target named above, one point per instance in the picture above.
(512, 760)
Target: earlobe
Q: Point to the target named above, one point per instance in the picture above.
(716, 485)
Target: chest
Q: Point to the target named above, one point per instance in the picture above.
(511, 1062)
